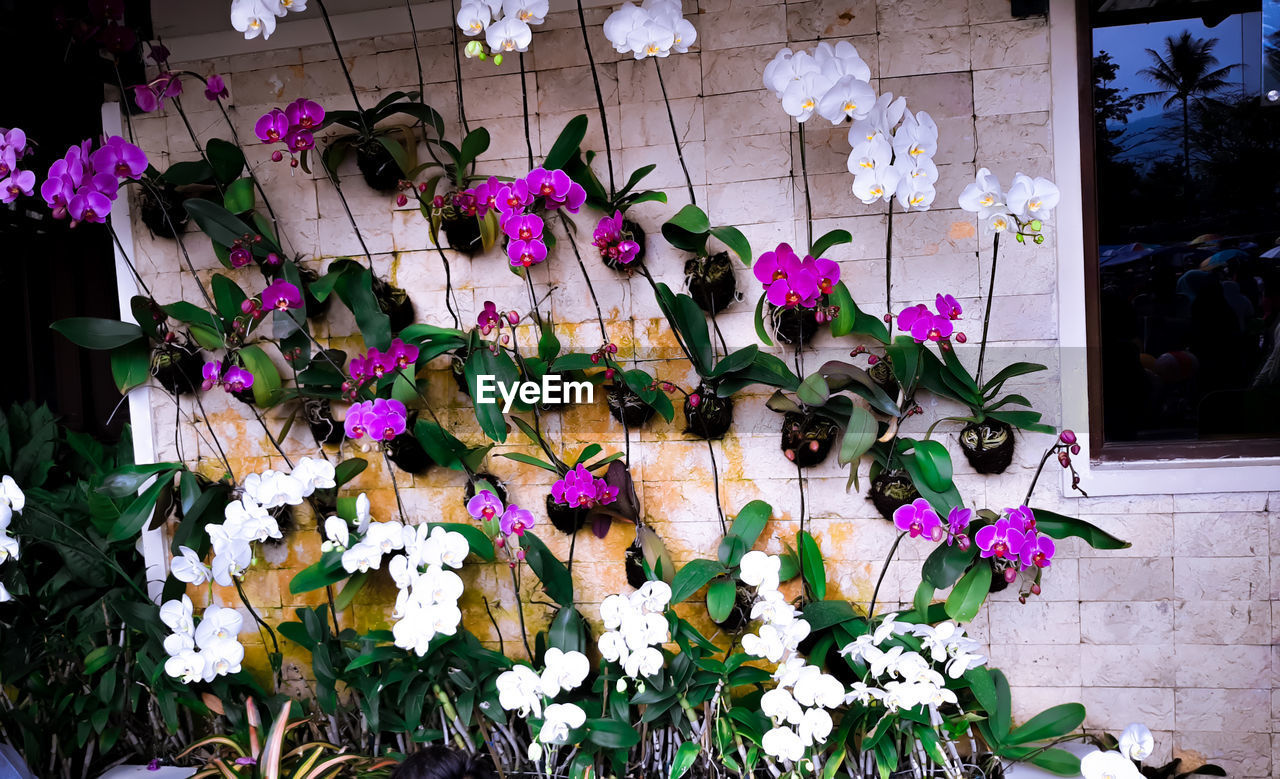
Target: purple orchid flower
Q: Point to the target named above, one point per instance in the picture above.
(1002, 540)
(513, 198)
(282, 296)
(486, 195)
(523, 227)
(918, 518)
(923, 324)
(1021, 518)
(526, 253)
(948, 306)
(386, 419)
(579, 489)
(120, 159)
(240, 257)
(158, 54)
(272, 126)
(515, 521)
(958, 525)
(401, 354)
(215, 87)
(484, 505)
(608, 238)
(19, 182)
(145, 98)
(212, 375)
(787, 281)
(1037, 551)
(303, 113)
(551, 184)
(90, 206)
(356, 424)
(299, 140)
(237, 379)
(489, 318)
(827, 273)
(359, 369)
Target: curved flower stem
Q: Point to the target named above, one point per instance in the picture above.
(417, 55)
(595, 79)
(355, 226)
(195, 393)
(124, 99)
(1039, 469)
(351, 85)
(533, 296)
(808, 203)
(604, 333)
(271, 437)
(875, 594)
(448, 289)
(257, 183)
(675, 135)
(262, 625)
(137, 276)
(391, 470)
(573, 543)
(888, 268)
(501, 646)
(715, 483)
(195, 141)
(524, 634)
(457, 70)
(182, 246)
(986, 319)
(524, 98)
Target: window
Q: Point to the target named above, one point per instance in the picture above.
(1182, 243)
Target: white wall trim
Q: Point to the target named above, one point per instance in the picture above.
(155, 556)
(1146, 477)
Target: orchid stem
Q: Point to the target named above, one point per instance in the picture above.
(417, 55)
(448, 289)
(524, 634)
(675, 135)
(875, 594)
(328, 25)
(524, 97)
(275, 644)
(457, 73)
(986, 318)
(270, 436)
(182, 245)
(888, 265)
(404, 517)
(604, 333)
(1040, 469)
(355, 226)
(127, 261)
(595, 79)
(808, 203)
(257, 183)
(195, 141)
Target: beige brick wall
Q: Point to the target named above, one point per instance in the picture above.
(1177, 631)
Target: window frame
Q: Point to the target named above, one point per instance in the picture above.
(1114, 468)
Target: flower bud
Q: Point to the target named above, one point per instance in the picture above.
(695, 400)
(621, 686)
(1035, 589)
(437, 201)
(595, 359)
(273, 258)
(888, 318)
(511, 564)
(1010, 574)
(293, 163)
(790, 453)
(277, 155)
(497, 59)
(1064, 459)
(476, 49)
(535, 749)
(1075, 448)
(506, 339)
(813, 446)
(499, 542)
(611, 348)
(402, 199)
(961, 338)
(520, 554)
(513, 317)
(872, 359)
(1067, 437)
(609, 373)
(1022, 599)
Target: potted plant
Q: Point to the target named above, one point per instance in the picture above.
(467, 216)
(381, 157)
(621, 240)
(709, 277)
(814, 417)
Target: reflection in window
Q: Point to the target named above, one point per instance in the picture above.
(1187, 163)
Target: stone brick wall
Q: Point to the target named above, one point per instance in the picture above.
(1177, 631)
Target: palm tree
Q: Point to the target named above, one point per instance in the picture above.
(1187, 69)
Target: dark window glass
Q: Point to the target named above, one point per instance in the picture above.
(1186, 172)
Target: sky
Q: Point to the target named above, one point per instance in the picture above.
(1127, 45)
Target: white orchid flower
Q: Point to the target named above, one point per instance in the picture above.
(643, 662)
(189, 568)
(767, 643)
(1030, 198)
(413, 632)
(246, 520)
(819, 690)
(563, 671)
(917, 137)
(176, 615)
(984, 196)
(772, 607)
(519, 690)
(652, 597)
(614, 609)
(651, 39)
(9, 547)
(784, 744)
(12, 494)
(314, 473)
(780, 706)
(527, 11)
(760, 570)
(882, 118)
(5, 596)
(444, 618)
(848, 98)
(868, 155)
(453, 547)
(999, 223)
(878, 184)
(1136, 742)
(253, 18)
(800, 98)
(915, 191)
(613, 647)
(218, 623)
(231, 562)
(815, 726)
(559, 719)
(779, 72)
(859, 692)
(363, 513)
(386, 536)
(1108, 765)
(881, 661)
(509, 34)
(438, 585)
(621, 23)
(222, 657)
(188, 666)
(178, 643)
(473, 18)
(842, 60)
(361, 557)
(337, 532)
(685, 35)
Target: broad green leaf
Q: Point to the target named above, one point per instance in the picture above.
(238, 197)
(761, 331)
(97, 333)
(685, 757)
(694, 576)
(859, 434)
(225, 158)
(833, 238)
(750, 522)
(1050, 723)
(969, 593)
(721, 595)
(266, 377)
(131, 365)
(567, 143)
(549, 570)
(320, 574)
(735, 240)
(1059, 526)
(813, 390)
(934, 462)
(815, 573)
(133, 519)
(945, 564)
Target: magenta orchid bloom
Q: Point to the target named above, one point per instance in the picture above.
(918, 519)
(826, 271)
(513, 198)
(484, 506)
(272, 127)
(215, 87)
(18, 183)
(381, 420)
(237, 379)
(240, 257)
(119, 158)
(526, 253)
(554, 185)
(486, 195)
(282, 296)
(608, 239)
(489, 317)
(304, 114)
(14, 182)
(1022, 518)
(1037, 551)
(787, 281)
(923, 324)
(579, 489)
(948, 306)
(212, 375)
(401, 354)
(957, 526)
(1002, 540)
(515, 521)
(523, 227)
